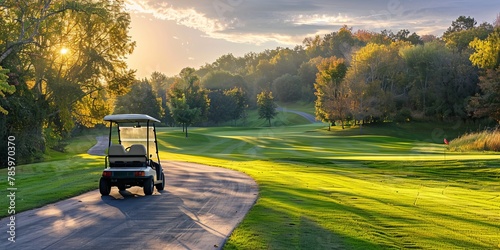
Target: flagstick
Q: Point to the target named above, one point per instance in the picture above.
(444, 152)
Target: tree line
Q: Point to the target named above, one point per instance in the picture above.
(355, 77)
(63, 68)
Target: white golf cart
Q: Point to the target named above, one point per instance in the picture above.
(130, 161)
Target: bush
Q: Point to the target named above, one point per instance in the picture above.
(404, 115)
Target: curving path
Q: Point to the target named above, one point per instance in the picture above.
(308, 116)
(199, 209)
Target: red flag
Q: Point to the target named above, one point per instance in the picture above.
(446, 141)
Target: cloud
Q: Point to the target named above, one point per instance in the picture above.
(222, 28)
(287, 22)
(188, 17)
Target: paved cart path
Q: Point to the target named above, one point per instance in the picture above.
(198, 209)
(307, 116)
(100, 147)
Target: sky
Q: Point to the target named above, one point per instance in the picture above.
(173, 34)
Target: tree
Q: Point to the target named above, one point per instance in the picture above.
(187, 101)
(340, 43)
(160, 84)
(287, 88)
(68, 57)
(266, 106)
(222, 80)
(463, 31)
(307, 74)
(487, 104)
(332, 101)
(139, 100)
(487, 51)
(461, 23)
(240, 100)
(22, 22)
(487, 57)
(179, 108)
(226, 105)
(421, 61)
(287, 61)
(229, 63)
(404, 35)
(376, 81)
(428, 38)
(313, 46)
(5, 87)
(25, 122)
(220, 107)
(439, 80)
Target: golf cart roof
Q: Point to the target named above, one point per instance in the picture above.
(130, 118)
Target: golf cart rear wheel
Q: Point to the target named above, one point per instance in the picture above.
(148, 186)
(161, 186)
(104, 187)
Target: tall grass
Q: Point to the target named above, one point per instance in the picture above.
(479, 141)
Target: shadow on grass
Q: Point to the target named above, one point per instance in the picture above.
(276, 228)
(352, 219)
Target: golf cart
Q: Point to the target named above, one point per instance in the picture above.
(131, 162)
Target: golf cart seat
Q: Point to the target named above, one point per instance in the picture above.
(116, 153)
(135, 156)
(137, 149)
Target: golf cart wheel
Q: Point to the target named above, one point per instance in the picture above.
(148, 186)
(161, 186)
(104, 187)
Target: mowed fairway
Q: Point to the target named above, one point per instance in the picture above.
(386, 188)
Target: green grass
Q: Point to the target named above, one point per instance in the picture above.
(381, 189)
(385, 186)
(281, 119)
(299, 106)
(61, 176)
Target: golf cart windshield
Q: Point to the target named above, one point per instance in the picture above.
(135, 129)
(139, 135)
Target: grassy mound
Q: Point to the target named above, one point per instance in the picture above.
(480, 141)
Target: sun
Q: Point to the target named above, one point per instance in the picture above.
(64, 51)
